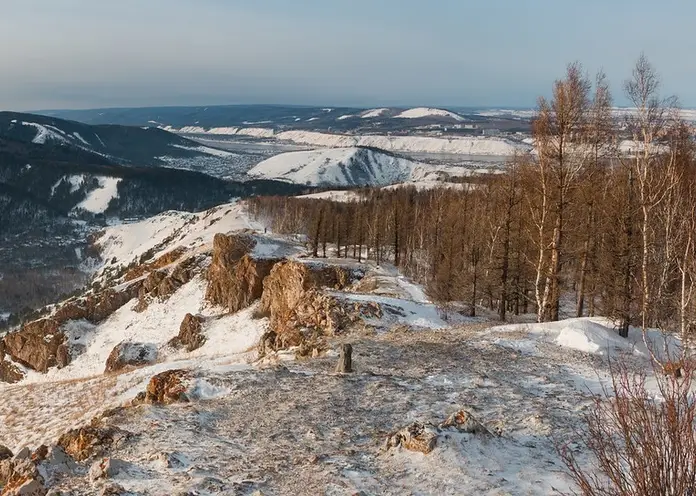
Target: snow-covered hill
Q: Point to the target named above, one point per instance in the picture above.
(425, 113)
(337, 167)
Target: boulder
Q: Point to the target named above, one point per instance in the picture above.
(190, 334)
(105, 468)
(465, 422)
(90, 440)
(416, 437)
(9, 372)
(21, 477)
(168, 387)
(127, 354)
(5, 452)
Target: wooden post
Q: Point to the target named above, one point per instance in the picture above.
(345, 363)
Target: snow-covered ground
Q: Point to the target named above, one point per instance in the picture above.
(286, 427)
(425, 112)
(98, 199)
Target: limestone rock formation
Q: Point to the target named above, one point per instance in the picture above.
(127, 354)
(91, 440)
(190, 334)
(235, 278)
(168, 387)
(415, 437)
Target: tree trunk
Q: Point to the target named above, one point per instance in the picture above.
(345, 361)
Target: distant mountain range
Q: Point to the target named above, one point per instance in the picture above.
(291, 117)
(51, 168)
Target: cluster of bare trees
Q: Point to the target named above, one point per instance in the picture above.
(598, 220)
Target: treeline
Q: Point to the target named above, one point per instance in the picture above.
(599, 220)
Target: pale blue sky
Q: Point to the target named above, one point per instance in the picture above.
(95, 53)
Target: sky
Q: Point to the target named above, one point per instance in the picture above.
(365, 53)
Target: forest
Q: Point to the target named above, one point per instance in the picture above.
(599, 219)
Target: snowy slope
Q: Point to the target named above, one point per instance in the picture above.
(414, 144)
(371, 114)
(336, 167)
(98, 200)
(425, 112)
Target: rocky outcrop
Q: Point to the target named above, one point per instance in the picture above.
(9, 372)
(301, 313)
(160, 262)
(168, 387)
(190, 334)
(415, 437)
(161, 285)
(235, 278)
(36, 344)
(88, 441)
(21, 477)
(97, 307)
(464, 421)
(127, 354)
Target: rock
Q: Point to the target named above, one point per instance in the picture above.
(88, 441)
(300, 313)
(105, 468)
(112, 489)
(36, 344)
(29, 487)
(190, 333)
(161, 285)
(5, 452)
(166, 259)
(415, 437)
(235, 279)
(168, 387)
(127, 354)
(23, 454)
(57, 462)
(464, 421)
(9, 372)
(21, 477)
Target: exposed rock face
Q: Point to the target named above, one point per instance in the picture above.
(21, 477)
(127, 354)
(41, 344)
(90, 440)
(96, 308)
(235, 279)
(166, 259)
(105, 468)
(161, 285)
(36, 344)
(415, 437)
(9, 372)
(168, 387)
(301, 314)
(190, 333)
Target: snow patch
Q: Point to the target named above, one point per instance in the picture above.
(98, 200)
(424, 112)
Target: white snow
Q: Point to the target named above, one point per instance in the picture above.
(43, 133)
(126, 242)
(207, 150)
(424, 112)
(75, 180)
(336, 167)
(371, 114)
(98, 200)
(596, 335)
(77, 135)
(414, 144)
(334, 195)
(344, 117)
